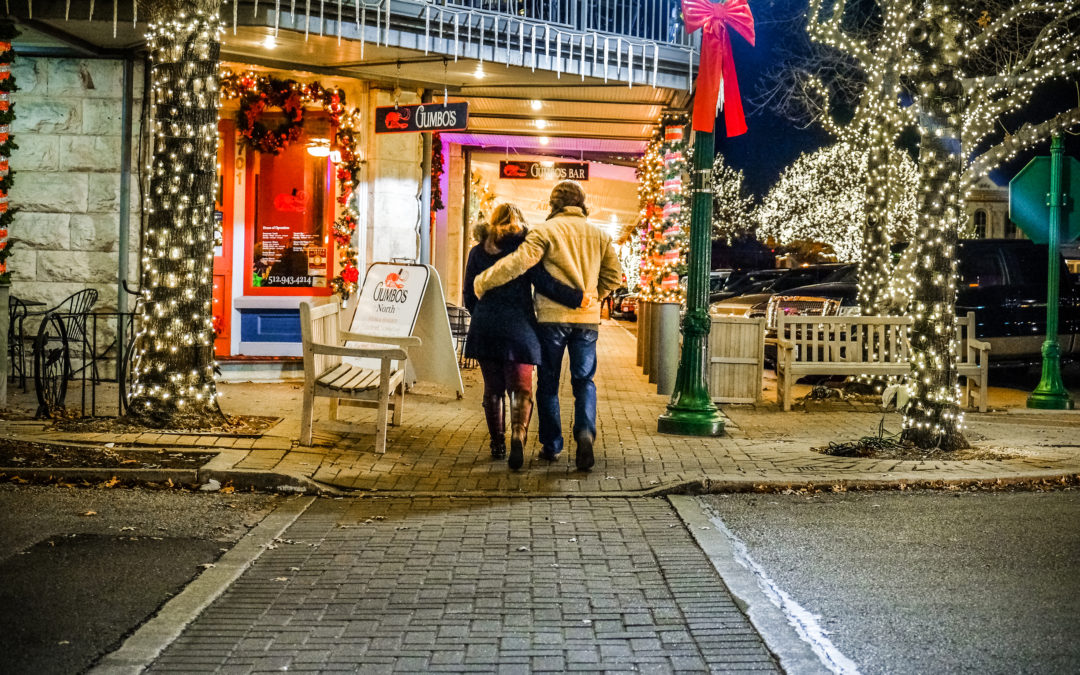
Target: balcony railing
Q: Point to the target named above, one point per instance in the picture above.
(657, 20)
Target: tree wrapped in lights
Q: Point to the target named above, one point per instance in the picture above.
(8, 33)
(174, 364)
(733, 209)
(667, 226)
(961, 78)
(821, 197)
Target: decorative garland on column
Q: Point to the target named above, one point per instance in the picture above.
(257, 93)
(7, 142)
(437, 170)
(666, 221)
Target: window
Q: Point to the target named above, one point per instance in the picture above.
(980, 224)
(1010, 229)
(290, 210)
(981, 271)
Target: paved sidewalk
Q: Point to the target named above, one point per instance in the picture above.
(482, 585)
(441, 447)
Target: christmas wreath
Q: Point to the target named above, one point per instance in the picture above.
(7, 115)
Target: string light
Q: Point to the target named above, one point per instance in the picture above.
(174, 356)
(952, 74)
(733, 209)
(665, 223)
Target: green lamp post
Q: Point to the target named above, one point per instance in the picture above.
(691, 411)
(1041, 219)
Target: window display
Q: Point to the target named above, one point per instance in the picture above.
(291, 209)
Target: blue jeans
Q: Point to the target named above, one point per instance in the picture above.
(581, 343)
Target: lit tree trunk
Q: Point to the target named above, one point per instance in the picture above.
(174, 385)
(933, 417)
(875, 265)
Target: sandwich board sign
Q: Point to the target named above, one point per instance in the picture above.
(402, 300)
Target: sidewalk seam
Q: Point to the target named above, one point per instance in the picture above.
(140, 649)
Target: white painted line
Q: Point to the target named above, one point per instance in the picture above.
(790, 632)
(140, 650)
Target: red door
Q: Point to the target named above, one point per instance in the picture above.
(222, 298)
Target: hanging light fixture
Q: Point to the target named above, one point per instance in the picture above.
(319, 147)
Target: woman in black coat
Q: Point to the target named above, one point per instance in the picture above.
(502, 331)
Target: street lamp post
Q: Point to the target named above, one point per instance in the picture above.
(691, 411)
(1050, 393)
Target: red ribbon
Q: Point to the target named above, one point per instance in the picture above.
(716, 60)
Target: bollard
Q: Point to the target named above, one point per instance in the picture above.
(654, 340)
(645, 332)
(666, 319)
(638, 332)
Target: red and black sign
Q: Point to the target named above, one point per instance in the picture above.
(424, 117)
(544, 170)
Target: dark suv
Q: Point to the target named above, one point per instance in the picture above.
(1004, 282)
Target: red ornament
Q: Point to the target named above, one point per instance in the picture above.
(717, 62)
(350, 274)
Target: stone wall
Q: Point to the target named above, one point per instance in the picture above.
(67, 183)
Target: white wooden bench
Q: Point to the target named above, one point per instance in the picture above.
(867, 345)
(325, 373)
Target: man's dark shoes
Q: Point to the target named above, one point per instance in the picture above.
(549, 455)
(498, 449)
(584, 457)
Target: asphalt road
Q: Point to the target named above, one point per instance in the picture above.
(926, 582)
(80, 569)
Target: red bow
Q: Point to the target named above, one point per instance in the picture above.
(716, 60)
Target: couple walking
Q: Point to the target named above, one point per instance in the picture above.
(570, 265)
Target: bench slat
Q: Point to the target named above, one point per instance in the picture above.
(333, 374)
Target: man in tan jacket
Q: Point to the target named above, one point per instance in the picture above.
(582, 256)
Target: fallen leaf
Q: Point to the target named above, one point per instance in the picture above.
(129, 461)
(228, 489)
(64, 642)
(523, 548)
(207, 566)
(112, 482)
(89, 513)
(127, 528)
(280, 579)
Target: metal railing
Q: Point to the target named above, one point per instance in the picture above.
(657, 20)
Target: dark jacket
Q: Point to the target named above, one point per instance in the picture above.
(503, 324)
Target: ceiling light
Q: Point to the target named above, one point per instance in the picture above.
(540, 124)
(269, 42)
(479, 72)
(319, 147)
(544, 140)
(536, 104)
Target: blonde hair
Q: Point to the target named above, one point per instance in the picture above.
(503, 216)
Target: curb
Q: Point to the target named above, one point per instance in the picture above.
(140, 649)
(780, 637)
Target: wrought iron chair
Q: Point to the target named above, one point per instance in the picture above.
(62, 328)
(17, 311)
(459, 329)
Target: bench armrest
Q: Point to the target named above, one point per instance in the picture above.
(409, 341)
(359, 352)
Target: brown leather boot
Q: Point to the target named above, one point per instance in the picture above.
(494, 412)
(521, 406)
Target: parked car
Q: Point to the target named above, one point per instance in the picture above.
(625, 307)
(755, 302)
(1003, 281)
(747, 281)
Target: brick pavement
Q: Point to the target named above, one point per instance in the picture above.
(441, 447)
(487, 585)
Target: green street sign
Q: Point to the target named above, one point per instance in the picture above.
(1027, 199)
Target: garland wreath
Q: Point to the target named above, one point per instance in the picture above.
(437, 170)
(7, 143)
(257, 93)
